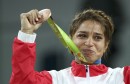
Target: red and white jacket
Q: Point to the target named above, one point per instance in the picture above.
(23, 61)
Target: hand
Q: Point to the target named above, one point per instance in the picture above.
(33, 19)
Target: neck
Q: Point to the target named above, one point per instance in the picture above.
(97, 62)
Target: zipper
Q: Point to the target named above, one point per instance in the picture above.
(88, 75)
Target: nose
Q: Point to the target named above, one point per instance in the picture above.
(89, 42)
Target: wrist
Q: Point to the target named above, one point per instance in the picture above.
(27, 31)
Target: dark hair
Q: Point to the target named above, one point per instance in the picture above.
(94, 15)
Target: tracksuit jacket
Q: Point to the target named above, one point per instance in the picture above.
(23, 61)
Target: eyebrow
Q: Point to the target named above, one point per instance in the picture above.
(99, 34)
(82, 32)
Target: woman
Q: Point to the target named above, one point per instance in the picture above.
(91, 31)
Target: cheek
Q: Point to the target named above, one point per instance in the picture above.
(77, 42)
(100, 48)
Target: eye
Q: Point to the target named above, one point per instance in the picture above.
(98, 38)
(81, 35)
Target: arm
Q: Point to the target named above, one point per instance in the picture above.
(24, 54)
(127, 75)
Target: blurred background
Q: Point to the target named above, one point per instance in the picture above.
(51, 54)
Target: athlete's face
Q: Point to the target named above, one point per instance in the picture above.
(90, 39)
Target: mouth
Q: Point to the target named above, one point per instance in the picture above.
(87, 52)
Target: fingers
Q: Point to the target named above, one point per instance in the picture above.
(33, 17)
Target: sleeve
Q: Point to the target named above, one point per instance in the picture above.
(23, 60)
(127, 75)
(29, 38)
